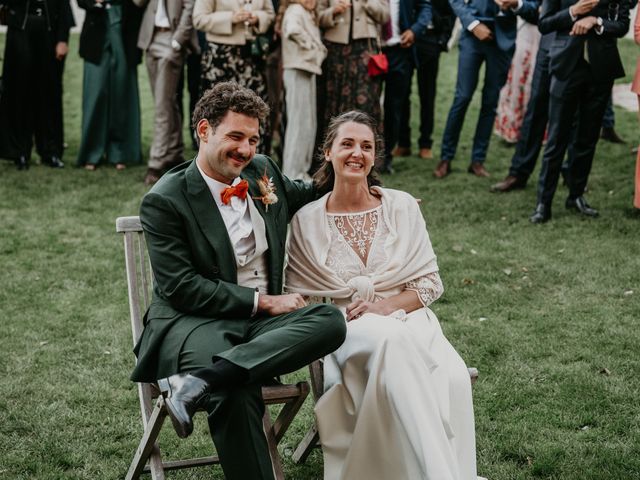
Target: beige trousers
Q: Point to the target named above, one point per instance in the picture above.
(165, 66)
(299, 140)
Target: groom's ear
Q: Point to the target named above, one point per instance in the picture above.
(202, 128)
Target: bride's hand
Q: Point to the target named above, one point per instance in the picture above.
(359, 307)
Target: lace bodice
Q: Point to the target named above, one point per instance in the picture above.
(357, 249)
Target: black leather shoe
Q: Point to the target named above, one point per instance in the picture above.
(22, 163)
(541, 214)
(54, 162)
(610, 135)
(580, 205)
(183, 394)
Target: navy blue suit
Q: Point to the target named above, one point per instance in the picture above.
(428, 49)
(497, 54)
(414, 15)
(579, 89)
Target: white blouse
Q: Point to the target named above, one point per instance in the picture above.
(357, 249)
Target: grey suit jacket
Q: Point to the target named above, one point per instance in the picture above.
(179, 13)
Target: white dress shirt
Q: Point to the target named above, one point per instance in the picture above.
(237, 218)
(162, 19)
(394, 11)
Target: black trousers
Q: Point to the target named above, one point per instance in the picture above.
(397, 85)
(427, 67)
(535, 119)
(580, 98)
(31, 104)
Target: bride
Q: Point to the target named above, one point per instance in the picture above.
(397, 402)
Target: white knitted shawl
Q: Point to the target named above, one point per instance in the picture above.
(408, 248)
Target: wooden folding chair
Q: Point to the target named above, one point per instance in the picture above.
(139, 283)
(312, 438)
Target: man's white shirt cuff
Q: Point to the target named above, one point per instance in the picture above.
(473, 25)
(256, 299)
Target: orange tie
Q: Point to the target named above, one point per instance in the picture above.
(239, 190)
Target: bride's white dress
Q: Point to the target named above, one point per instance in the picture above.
(397, 404)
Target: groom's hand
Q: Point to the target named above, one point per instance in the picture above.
(279, 304)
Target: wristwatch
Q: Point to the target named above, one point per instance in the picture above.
(599, 25)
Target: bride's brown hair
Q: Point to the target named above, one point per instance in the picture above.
(325, 177)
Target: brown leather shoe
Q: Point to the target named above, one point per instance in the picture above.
(152, 176)
(442, 170)
(509, 183)
(426, 153)
(478, 170)
(401, 151)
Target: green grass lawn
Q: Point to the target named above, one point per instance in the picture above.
(548, 314)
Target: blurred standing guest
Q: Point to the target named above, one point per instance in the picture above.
(166, 34)
(488, 36)
(191, 74)
(515, 94)
(275, 87)
(236, 47)
(427, 53)
(535, 120)
(409, 20)
(110, 103)
(350, 35)
(584, 61)
(635, 87)
(31, 103)
(302, 56)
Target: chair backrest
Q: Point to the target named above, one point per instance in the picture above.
(139, 273)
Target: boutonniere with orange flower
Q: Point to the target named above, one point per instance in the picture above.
(268, 191)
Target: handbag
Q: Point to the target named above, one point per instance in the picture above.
(260, 46)
(378, 64)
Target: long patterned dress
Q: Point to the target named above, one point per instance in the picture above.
(515, 94)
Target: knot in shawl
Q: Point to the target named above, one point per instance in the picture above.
(407, 247)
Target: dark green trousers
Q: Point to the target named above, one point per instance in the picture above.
(110, 103)
(265, 347)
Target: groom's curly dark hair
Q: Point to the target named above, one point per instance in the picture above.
(225, 97)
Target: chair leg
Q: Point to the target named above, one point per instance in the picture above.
(155, 463)
(289, 412)
(148, 445)
(273, 445)
(310, 441)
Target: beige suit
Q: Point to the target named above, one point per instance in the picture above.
(368, 16)
(214, 18)
(165, 50)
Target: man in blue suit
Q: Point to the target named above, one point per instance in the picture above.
(488, 36)
(409, 20)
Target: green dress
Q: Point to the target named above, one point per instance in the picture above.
(110, 103)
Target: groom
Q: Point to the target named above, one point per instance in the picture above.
(218, 325)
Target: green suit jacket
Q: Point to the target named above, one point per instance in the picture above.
(193, 260)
